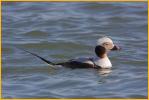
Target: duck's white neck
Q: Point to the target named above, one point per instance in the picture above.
(103, 61)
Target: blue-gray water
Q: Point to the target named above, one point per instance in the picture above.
(62, 31)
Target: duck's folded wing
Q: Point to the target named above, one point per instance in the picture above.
(76, 64)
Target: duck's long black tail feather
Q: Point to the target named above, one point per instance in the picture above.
(43, 59)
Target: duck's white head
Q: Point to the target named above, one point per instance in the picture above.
(107, 43)
(104, 44)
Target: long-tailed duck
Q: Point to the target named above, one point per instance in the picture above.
(104, 45)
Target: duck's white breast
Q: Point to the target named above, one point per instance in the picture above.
(103, 62)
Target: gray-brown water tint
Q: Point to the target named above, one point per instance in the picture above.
(62, 31)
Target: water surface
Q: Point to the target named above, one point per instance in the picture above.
(62, 31)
